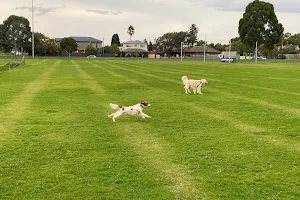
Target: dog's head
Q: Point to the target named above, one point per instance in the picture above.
(204, 82)
(145, 104)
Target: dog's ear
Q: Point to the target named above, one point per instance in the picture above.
(142, 101)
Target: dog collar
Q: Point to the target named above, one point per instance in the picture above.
(142, 105)
(199, 84)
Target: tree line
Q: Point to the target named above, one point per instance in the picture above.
(258, 24)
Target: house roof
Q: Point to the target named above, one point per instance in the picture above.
(134, 42)
(82, 39)
(197, 49)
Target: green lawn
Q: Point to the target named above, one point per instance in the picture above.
(239, 140)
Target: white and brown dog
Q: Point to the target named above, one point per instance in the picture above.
(196, 85)
(131, 110)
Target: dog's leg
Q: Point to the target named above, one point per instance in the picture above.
(186, 89)
(194, 90)
(113, 114)
(117, 114)
(143, 115)
(199, 90)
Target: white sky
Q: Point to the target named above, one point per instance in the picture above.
(151, 18)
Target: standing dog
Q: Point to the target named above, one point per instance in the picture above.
(196, 85)
(131, 110)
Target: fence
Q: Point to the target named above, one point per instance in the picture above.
(292, 56)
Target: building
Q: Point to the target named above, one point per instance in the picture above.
(134, 46)
(198, 51)
(83, 42)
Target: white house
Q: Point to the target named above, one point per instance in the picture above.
(134, 46)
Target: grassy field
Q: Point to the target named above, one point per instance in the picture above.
(239, 140)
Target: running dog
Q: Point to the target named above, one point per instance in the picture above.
(131, 110)
(196, 85)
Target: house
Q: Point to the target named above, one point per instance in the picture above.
(83, 42)
(134, 46)
(198, 51)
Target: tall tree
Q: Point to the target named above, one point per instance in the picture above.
(44, 44)
(115, 40)
(68, 44)
(15, 33)
(192, 34)
(170, 41)
(259, 23)
(145, 40)
(130, 31)
(150, 46)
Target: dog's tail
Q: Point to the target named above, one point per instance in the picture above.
(115, 106)
(184, 80)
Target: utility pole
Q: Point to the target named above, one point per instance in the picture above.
(204, 54)
(32, 37)
(181, 51)
(103, 48)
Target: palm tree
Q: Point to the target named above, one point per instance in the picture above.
(130, 31)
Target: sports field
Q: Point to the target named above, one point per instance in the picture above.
(239, 140)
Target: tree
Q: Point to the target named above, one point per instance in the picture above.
(114, 49)
(294, 39)
(212, 45)
(259, 23)
(200, 43)
(192, 34)
(150, 46)
(91, 50)
(170, 41)
(44, 44)
(130, 31)
(15, 33)
(115, 40)
(238, 46)
(106, 49)
(220, 47)
(69, 45)
(145, 40)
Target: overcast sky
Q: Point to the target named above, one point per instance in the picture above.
(151, 18)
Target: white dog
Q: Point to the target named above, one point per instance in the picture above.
(196, 85)
(131, 110)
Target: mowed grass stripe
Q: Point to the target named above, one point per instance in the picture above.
(87, 79)
(267, 140)
(37, 62)
(156, 152)
(293, 111)
(152, 152)
(20, 104)
(114, 74)
(208, 111)
(203, 74)
(245, 127)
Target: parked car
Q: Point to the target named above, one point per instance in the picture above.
(91, 56)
